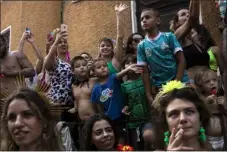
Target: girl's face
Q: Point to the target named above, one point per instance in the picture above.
(182, 114)
(102, 135)
(209, 83)
(23, 124)
(62, 46)
(136, 39)
(106, 48)
(183, 16)
(80, 68)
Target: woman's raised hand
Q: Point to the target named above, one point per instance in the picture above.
(60, 35)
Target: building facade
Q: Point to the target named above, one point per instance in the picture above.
(88, 21)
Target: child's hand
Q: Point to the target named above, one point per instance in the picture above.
(72, 110)
(211, 99)
(220, 100)
(120, 8)
(89, 65)
(125, 110)
(135, 68)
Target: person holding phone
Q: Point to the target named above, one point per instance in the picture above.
(12, 65)
(59, 71)
(29, 37)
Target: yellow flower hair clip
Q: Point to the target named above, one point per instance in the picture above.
(171, 85)
(168, 87)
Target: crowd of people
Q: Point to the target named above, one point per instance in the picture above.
(159, 91)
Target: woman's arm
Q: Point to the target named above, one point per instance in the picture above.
(184, 30)
(117, 58)
(51, 61)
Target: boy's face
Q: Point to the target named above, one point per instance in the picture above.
(210, 83)
(100, 69)
(80, 68)
(149, 20)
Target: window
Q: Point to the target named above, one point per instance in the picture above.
(7, 33)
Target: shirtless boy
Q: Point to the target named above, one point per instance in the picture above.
(12, 65)
(82, 88)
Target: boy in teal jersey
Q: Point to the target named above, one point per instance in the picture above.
(137, 107)
(161, 52)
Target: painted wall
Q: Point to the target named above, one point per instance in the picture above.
(41, 16)
(11, 15)
(89, 21)
(211, 19)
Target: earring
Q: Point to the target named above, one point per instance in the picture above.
(166, 139)
(202, 135)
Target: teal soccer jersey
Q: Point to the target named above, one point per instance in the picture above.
(159, 55)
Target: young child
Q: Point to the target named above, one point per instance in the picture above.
(206, 82)
(137, 106)
(82, 88)
(107, 93)
(161, 52)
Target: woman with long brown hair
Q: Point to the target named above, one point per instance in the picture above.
(27, 124)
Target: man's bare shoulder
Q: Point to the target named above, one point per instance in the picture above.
(17, 54)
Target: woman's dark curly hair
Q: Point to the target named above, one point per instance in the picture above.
(86, 144)
(129, 49)
(189, 94)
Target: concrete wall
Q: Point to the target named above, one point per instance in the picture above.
(211, 19)
(41, 16)
(89, 21)
(11, 15)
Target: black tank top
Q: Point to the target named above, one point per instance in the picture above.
(194, 56)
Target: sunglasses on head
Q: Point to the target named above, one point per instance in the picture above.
(137, 40)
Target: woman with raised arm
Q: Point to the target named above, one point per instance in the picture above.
(132, 43)
(59, 71)
(27, 124)
(106, 46)
(196, 41)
